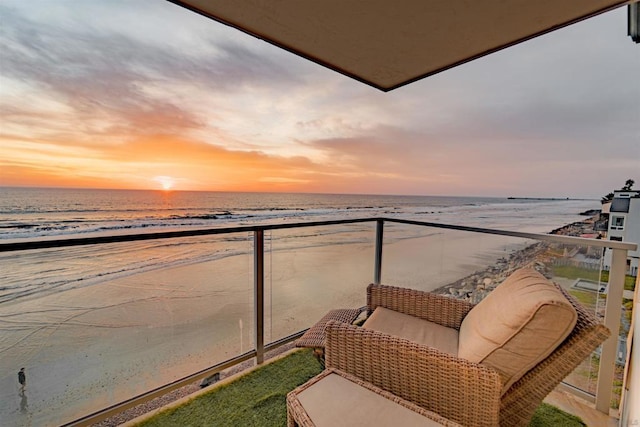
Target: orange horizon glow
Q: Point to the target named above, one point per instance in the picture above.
(168, 162)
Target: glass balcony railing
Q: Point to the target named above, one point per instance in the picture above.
(311, 270)
(104, 323)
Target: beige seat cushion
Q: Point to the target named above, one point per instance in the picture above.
(414, 329)
(516, 326)
(336, 401)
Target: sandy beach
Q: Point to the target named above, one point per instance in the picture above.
(88, 348)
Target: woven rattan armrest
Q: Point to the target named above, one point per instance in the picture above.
(440, 309)
(457, 389)
(521, 400)
(314, 337)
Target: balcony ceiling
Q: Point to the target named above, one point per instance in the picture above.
(388, 44)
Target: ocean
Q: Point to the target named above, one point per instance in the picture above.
(85, 320)
(46, 212)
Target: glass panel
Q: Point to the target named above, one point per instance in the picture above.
(582, 271)
(312, 270)
(468, 265)
(620, 204)
(578, 269)
(430, 258)
(618, 221)
(96, 325)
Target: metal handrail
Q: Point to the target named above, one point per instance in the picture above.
(555, 238)
(21, 245)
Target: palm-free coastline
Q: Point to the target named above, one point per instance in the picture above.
(475, 287)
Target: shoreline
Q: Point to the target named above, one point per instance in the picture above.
(476, 286)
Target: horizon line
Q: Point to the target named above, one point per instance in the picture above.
(167, 191)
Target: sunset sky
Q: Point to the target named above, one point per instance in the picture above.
(145, 94)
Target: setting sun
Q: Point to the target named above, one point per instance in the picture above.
(165, 181)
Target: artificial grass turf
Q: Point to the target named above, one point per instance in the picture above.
(549, 415)
(255, 399)
(573, 272)
(259, 399)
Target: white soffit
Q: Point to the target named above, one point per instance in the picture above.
(390, 43)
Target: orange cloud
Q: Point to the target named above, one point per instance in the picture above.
(192, 165)
(196, 165)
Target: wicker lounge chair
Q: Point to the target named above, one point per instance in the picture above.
(472, 394)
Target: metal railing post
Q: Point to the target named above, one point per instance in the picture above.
(258, 286)
(377, 273)
(612, 313)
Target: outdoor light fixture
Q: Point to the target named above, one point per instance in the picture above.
(634, 22)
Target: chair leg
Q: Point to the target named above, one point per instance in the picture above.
(291, 422)
(318, 353)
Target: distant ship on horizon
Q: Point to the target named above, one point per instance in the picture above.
(537, 198)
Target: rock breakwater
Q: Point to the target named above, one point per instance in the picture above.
(540, 256)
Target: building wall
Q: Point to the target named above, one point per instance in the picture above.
(625, 226)
(630, 409)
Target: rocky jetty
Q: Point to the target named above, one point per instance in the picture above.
(591, 212)
(476, 286)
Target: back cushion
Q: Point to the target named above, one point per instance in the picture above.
(516, 326)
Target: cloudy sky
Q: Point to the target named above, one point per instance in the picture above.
(141, 94)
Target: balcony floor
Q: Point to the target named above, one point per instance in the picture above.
(559, 398)
(581, 408)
